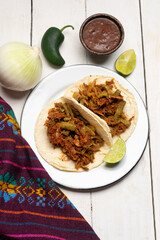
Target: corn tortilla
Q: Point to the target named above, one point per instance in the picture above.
(130, 109)
(54, 156)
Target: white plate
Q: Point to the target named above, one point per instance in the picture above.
(53, 87)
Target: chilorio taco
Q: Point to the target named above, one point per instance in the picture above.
(108, 101)
(70, 138)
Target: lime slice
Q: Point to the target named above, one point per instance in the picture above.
(126, 62)
(116, 152)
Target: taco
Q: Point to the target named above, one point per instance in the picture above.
(108, 101)
(69, 138)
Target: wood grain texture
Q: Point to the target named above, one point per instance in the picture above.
(127, 209)
(151, 38)
(58, 14)
(15, 24)
(119, 212)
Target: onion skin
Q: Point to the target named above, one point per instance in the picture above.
(20, 66)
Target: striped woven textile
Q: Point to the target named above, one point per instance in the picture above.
(31, 204)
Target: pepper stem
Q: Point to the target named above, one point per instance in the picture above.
(66, 27)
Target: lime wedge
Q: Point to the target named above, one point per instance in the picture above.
(126, 62)
(116, 152)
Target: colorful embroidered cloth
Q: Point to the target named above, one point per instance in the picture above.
(31, 204)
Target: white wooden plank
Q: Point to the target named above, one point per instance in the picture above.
(124, 211)
(58, 14)
(128, 14)
(151, 35)
(82, 201)
(54, 13)
(15, 19)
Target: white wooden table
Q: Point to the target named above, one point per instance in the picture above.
(130, 209)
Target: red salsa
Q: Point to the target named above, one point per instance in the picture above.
(101, 35)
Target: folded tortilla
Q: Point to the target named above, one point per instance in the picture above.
(130, 109)
(55, 156)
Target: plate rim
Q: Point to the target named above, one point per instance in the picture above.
(146, 112)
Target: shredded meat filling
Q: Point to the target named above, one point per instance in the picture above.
(67, 129)
(106, 101)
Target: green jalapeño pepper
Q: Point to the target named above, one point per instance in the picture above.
(50, 44)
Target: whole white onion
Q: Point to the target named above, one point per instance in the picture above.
(20, 66)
